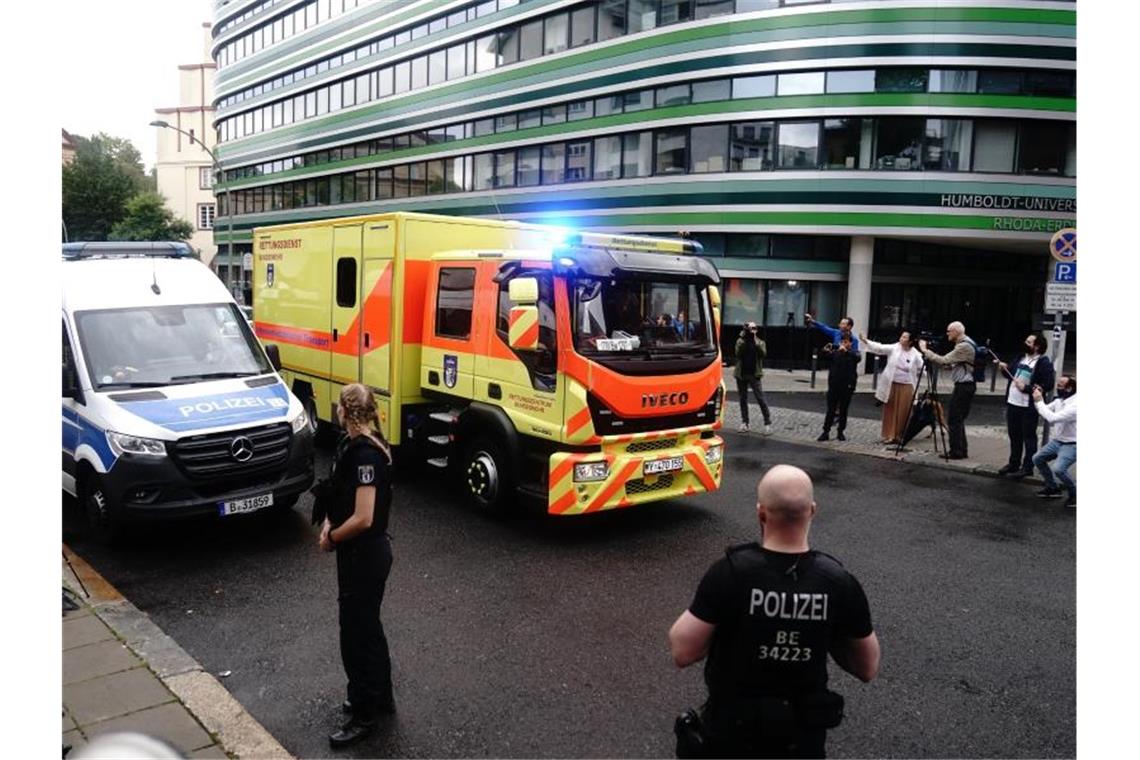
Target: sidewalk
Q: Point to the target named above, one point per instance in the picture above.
(988, 445)
(122, 673)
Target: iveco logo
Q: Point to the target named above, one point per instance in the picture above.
(241, 449)
(651, 400)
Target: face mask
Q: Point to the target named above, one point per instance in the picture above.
(1064, 393)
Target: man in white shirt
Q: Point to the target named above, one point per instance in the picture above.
(1062, 445)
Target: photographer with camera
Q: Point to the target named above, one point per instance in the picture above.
(960, 359)
(750, 352)
(766, 615)
(843, 375)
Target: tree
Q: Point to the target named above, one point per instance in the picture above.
(106, 173)
(146, 217)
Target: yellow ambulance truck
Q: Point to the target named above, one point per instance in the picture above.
(581, 368)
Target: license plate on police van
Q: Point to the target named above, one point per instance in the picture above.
(657, 466)
(240, 506)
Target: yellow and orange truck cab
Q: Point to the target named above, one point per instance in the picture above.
(581, 368)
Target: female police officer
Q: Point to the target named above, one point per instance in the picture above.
(356, 529)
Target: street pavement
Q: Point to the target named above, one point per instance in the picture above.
(545, 637)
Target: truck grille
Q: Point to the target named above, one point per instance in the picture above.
(211, 456)
(640, 486)
(658, 445)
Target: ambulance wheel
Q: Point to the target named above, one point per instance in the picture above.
(102, 524)
(486, 477)
(310, 405)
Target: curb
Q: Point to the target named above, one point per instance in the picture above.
(238, 732)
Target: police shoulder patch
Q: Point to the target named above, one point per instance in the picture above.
(365, 473)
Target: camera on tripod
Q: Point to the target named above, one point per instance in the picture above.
(932, 339)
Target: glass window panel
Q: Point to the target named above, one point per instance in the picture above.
(786, 303)
(800, 83)
(364, 189)
(417, 179)
(582, 26)
(384, 184)
(608, 105)
(508, 46)
(637, 101)
(743, 298)
(403, 75)
(749, 245)
(530, 41)
(420, 31)
(580, 109)
(611, 19)
(531, 118)
(437, 67)
(752, 146)
(456, 62)
(1057, 84)
(507, 123)
(999, 82)
(453, 175)
(673, 95)
(716, 89)
(672, 154)
(556, 33)
(323, 191)
(553, 163)
(364, 88)
(400, 181)
(754, 87)
(637, 154)
(485, 9)
(798, 146)
(709, 148)
(419, 72)
(486, 52)
(674, 11)
(457, 18)
(578, 161)
(898, 142)
(383, 85)
(322, 101)
(336, 91)
(417, 138)
(484, 171)
(607, 157)
(529, 166)
(901, 80)
(437, 25)
(1043, 147)
(948, 145)
(862, 80)
(456, 132)
(484, 127)
(505, 168)
(953, 80)
(554, 114)
(642, 15)
(843, 143)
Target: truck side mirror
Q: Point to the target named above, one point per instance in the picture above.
(274, 354)
(714, 299)
(523, 291)
(70, 385)
(523, 332)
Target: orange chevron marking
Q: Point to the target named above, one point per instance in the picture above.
(578, 421)
(563, 503)
(701, 471)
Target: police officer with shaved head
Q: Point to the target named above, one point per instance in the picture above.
(766, 616)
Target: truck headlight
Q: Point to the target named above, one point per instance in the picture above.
(300, 422)
(591, 471)
(133, 444)
(714, 454)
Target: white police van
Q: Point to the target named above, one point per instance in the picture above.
(171, 407)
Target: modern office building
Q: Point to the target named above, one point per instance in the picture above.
(902, 161)
(183, 170)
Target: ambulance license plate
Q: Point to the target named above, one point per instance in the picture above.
(658, 466)
(240, 506)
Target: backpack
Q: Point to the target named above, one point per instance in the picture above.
(983, 358)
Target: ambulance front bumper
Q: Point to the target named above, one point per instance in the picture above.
(633, 470)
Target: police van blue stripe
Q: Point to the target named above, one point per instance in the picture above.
(90, 434)
(200, 412)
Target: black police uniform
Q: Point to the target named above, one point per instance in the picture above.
(362, 566)
(777, 616)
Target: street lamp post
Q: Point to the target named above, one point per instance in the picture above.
(229, 198)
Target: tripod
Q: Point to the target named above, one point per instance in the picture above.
(928, 399)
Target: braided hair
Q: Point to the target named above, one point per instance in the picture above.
(360, 409)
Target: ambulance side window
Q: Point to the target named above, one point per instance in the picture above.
(543, 363)
(453, 302)
(346, 283)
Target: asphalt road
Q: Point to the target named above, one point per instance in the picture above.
(984, 410)
(546, 637)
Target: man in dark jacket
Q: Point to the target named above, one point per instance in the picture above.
(1032, 370)
(841, 378)
(750, 352)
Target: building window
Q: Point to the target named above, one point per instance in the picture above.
(999, 82)
(752, 146)
(637, 154)
(709, 146)
(754, 87)
(206, 216)
(712, 90)
(529, 166)
(847, 143)
(798, 146)
(953, 80)
(556, 33)
(901, 80)
(642, 15)
(673, 95)
(530, 41)
(948, 145)
(802, 83)
(898, 142)
(553, 164)
(205, 177)
(1043, 147)
(578, 161)
(851, 81)
(607, 158)
(582, 26)
(672, 151)
(611, 19)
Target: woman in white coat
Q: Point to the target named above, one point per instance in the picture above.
(897, 383)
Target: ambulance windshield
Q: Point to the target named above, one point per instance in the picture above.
(154, 346)
(635, 316)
